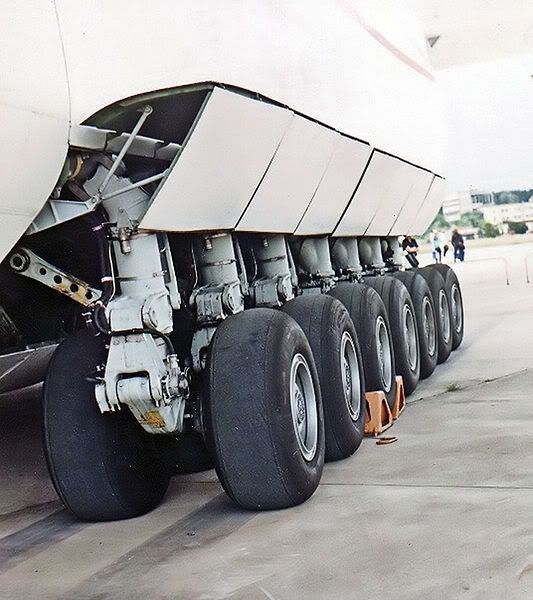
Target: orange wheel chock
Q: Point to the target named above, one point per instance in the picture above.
(399, 401)
(378, 414)
(379, 417)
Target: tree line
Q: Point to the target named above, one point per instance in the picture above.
(512, 196)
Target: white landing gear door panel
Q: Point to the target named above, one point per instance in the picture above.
(429, 209)
(413, 204)
(336, 188)
(292, 179)
(405, 180)
(220, 166)
(385, 179)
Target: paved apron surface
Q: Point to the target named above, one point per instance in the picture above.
(444, 513)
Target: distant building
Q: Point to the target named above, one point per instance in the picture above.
(481, 199)
(457, 205)
(499, 214)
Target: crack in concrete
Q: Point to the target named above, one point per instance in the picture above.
(470, 386)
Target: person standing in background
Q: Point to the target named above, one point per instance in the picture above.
(458, 244)
(410, 247)
(435, 247)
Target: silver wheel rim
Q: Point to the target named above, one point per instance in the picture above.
(351, 383)
(303, 407)
(384, 354)
(444, 313)
(429, 326)
(410, 337)
(457, 308)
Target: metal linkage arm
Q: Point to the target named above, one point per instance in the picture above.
(27, 263)
(147, 110)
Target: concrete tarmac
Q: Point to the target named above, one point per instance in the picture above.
(443, 513)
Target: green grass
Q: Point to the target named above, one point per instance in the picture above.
(453, 387)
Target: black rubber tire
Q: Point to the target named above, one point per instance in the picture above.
(329, 329)
(248, 416)
(365, 307)
(187, 453)
(439, 292)
(104, 467)
(397, 300)
(422, 303)
(456, 297)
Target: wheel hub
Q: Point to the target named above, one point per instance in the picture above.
(457, 311)
(384, 354)
(444, 313)
(304, 407)
(429, 326)
(410, 337)
(350, 376)
(348, 385)
(300, 402)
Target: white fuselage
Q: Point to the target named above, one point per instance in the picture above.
(358, 68)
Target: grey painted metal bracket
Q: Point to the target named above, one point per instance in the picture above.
(55, 212)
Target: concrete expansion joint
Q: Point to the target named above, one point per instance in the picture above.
(450, 486)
